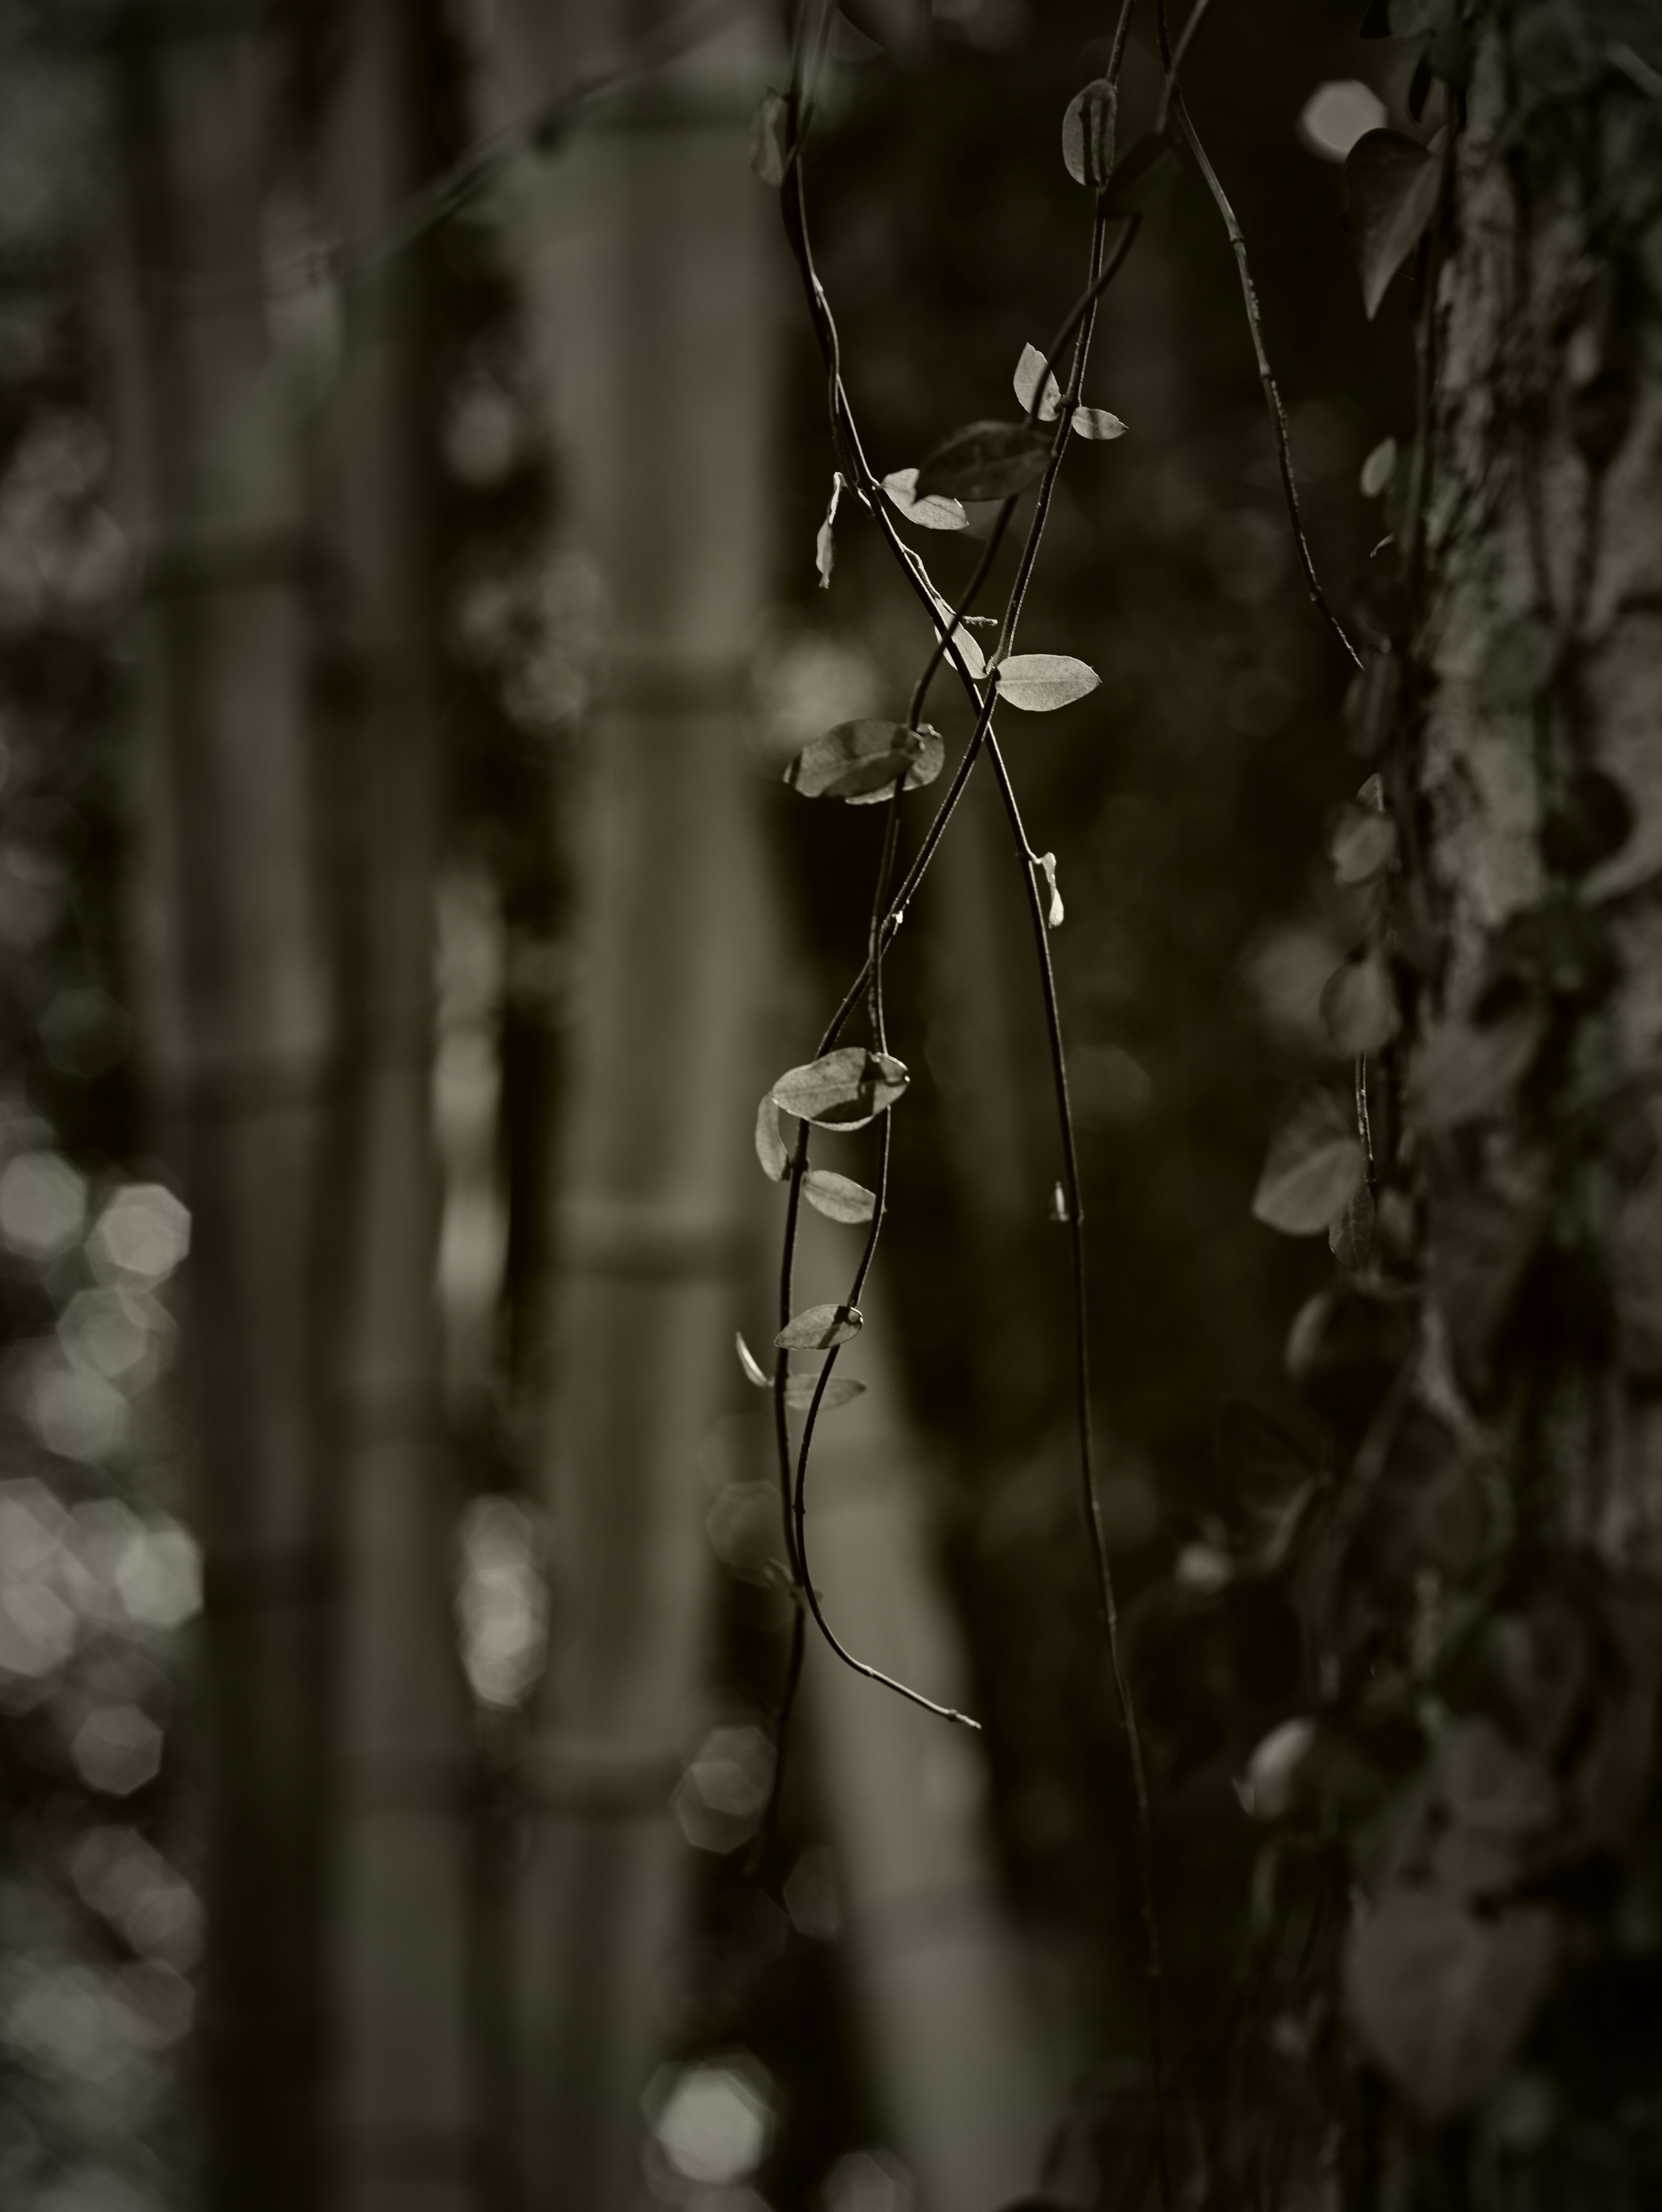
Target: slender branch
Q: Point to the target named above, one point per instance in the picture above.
(1272, 397)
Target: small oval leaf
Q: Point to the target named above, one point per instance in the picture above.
(1362, 843)
(1098, 423)
(1391, 192)
(987, 460)
(770, 1147)
(936, 513)
(1039, 683)
(1315, 1163)
(749, 1363)
(838, 1197)
(1087, 133)
(799, 1392)
(865, 760)
(1379, 468)
(844, 1091)
(817, 1329)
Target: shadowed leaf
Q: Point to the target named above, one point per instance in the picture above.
(1362, 843)
(844, 1091)
(1315, 1164)
(1461, 1073)
(1350, 1234)
(1087, 133)
(767, 139)
(1039, 683)
(1518, 664)
(933, 514)
(799, 1392)
(838, 1197)
(1151, 166)
(817, 1329)
(987, 460)
(771, 1148)
(861, 762)
(1028, 371)
(1096, 424)
(1391, 191)
(1442, 1998)
(1359, 1006)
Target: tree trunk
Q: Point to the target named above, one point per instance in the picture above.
(238, 1043)
(406, 2135)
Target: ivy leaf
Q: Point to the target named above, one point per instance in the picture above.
(748, 1362)
(1462, 1073)
(844, 1091)
(838, 1197)
(861, 762)
(1039, 683)
(1151, 166)
(933, 513)
(1391, 192)
(817, 1329)
(770, 1147)
(1314, 1164)
(1029, 369)
(1098, 423)
(1359, 1006)
(1087, 133)
(1441, 1998)
(987, 460)
(1518, 663)
(767, 139)
(799, 1392)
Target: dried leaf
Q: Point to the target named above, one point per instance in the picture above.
(1461, 1073)
(1391, 192)
(838, 1197)
(1359, 1006)
(1315, 1163)
(748, 1362)
(817, 1329)
(1039, 683)
(799, 1392)
(1029, 369)
(935, 513)
(767, 139)
(861, 762)
(987, 460)
(1441, 1998)
(770, 1147)
(1087, 133)
(1151, 166)
(844, 1091)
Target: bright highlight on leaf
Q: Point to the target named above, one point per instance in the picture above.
(1039, 683)
(937, 513)
(771, 1148)
(838, 1197)
(767, 139)
(1054, 918)
(1087, 133)
(987, 460)
(1391, 191)
(817, 1329)
(1315, 1163)
(748, 1362)
(844, 1091)
(862, 761)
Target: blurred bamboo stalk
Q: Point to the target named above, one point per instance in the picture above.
(650, 318)
(406, 2138)
(238, 1039)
